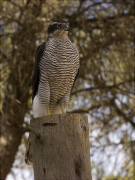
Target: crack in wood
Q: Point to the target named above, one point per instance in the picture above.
(44, 171)
(49, 124)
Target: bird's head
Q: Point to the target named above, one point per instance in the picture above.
(58, 28)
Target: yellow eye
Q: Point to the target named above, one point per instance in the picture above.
(58, 25)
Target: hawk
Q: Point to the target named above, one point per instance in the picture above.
(55, 69)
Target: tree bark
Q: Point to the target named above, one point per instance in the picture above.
(63, 150)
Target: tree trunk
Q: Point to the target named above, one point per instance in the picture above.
(17, 82)
(63, 150)
(10, 135)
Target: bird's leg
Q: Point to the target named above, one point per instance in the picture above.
(48, 110)
(64, 102)
(63, 110)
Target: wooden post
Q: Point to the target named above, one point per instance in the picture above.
(63, 150)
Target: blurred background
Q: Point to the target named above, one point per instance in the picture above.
(103, 31)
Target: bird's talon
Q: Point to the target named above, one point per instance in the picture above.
(48, 110)
(63, 110)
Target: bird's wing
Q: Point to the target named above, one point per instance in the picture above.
(36, 71)
(77, 74)
(74, 81)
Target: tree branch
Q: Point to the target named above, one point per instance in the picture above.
(93, 106)
(103, 87)
(38, 135)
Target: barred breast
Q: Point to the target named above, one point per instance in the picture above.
(58, 66)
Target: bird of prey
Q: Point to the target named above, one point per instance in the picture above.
(55, 69)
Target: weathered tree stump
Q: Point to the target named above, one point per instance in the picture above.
(63, 150)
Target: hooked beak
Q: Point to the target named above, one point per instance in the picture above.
(67, 28)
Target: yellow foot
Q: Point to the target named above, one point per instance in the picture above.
(48, 110)
(63, 110)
